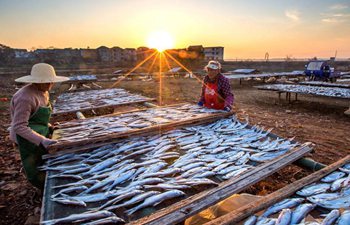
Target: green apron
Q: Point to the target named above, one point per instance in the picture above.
(30, 153)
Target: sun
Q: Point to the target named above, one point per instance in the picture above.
(160, 40)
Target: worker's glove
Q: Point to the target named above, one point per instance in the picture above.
(227, 109)
(46, 142)
(200, 103)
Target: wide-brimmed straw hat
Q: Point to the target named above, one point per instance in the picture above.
(42, 73)
(215, 65)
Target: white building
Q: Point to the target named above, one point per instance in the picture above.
(214, 53)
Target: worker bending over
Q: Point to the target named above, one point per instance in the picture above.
(30, 114)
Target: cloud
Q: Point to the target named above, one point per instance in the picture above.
(292, 14)
(338, 7)
(341, 15)
(332, 20)
(335, 18)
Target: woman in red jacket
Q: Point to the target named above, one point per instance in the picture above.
(216, 89)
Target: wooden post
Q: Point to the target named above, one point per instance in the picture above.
(238, 215)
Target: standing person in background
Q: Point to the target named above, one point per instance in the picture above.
(216, 89)
(30, 114)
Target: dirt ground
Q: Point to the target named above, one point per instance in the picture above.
(315, 119)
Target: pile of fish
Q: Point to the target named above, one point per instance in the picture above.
(83, 77)
(331, 193)
(95, 98)
(142, 172)
(262, 75)
(325, 84)
(104, 125)
(313, 90)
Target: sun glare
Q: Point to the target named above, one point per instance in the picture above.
(160, 40)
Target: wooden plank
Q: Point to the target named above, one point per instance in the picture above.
(241, 213)
(79, 146)
(186, 208)
(103, 106)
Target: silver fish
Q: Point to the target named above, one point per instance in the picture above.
(344, 219)
(93, 197)
(266, 156)
(166, 186)
(193, 165)
(108, 220)
(204, 174)
(69, 201)
(265, 221)
(194, 171)
(70, 189)
(65, 176)
(336, 185)
(102, 165)
(301, 212)
(323, 196)
(331, 217)
(335, 203)
(313, 189)
(134, 200)
(80, 217)
(164, 173)
(121, 179)
(286, 203)
(333, 176)
(143, 181)
(123, 195)
(235, 173)
(284, 217)
(251, 220)
(156, 199)
(195, 181)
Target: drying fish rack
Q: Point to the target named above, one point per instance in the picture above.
(288, 89)
(262, 75)
(324, 84)
(188, 207)
(110, 138)
(241, 213)
(144, 99)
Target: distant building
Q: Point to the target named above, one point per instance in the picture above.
(129, 55)
(195, 52)
(117, 53)
(89, 54)
(23, 54)
(214, 53)
(105, 54)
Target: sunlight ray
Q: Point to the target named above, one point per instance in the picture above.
(152, 64)
(133, 69)
(160, 78)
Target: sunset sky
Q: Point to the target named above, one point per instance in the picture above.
(247, 29)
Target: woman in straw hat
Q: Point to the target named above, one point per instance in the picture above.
(30, 115)
(216, 89)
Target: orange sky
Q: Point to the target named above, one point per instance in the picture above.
(247, 29)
